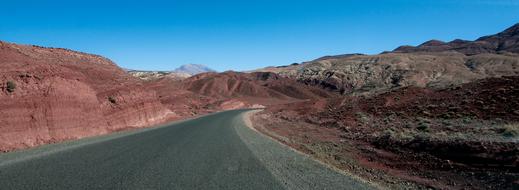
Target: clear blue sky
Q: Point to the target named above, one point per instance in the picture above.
(245, 34)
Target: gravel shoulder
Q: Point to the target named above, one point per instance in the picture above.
(293, 169)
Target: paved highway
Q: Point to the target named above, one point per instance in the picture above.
(217, 151)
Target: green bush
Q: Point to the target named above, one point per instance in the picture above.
(11, 86)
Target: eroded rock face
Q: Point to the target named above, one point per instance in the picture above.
(381, 72)
(61, 94)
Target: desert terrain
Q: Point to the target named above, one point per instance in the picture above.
(442, 115)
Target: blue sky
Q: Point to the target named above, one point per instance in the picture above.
(246, 34)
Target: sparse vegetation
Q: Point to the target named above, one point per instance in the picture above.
(362, 118)
(404, 135)
(423, 124)
(466, 120)
(112, 100)
(510, 130)
(11, 86)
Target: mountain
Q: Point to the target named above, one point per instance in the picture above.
(337, 56)
(432, 64)
(193, 69)
(506, 41)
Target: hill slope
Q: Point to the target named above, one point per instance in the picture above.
(51, 94)
(260, 87)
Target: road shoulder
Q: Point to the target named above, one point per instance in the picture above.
(294, 169)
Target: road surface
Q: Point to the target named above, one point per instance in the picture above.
(217, 151)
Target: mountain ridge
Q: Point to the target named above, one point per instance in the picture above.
(502, 42)
(432, 64)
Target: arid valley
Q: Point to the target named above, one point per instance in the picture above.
(439, 115)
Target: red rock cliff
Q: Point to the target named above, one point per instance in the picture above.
(49, 95)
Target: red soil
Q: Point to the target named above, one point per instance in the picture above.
(484, 99)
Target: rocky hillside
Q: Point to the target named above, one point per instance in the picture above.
(52, 94)
(363, 73)
(503, 42)
(463, 137)
(425, 67)
(439, 115)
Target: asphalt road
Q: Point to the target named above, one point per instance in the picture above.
(212, 152)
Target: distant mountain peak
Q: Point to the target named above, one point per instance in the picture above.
(505, 41)
(337, 56)
(433, 43)
(512, 31)
(193, 69)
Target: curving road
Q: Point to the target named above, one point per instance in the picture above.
(217, 151)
